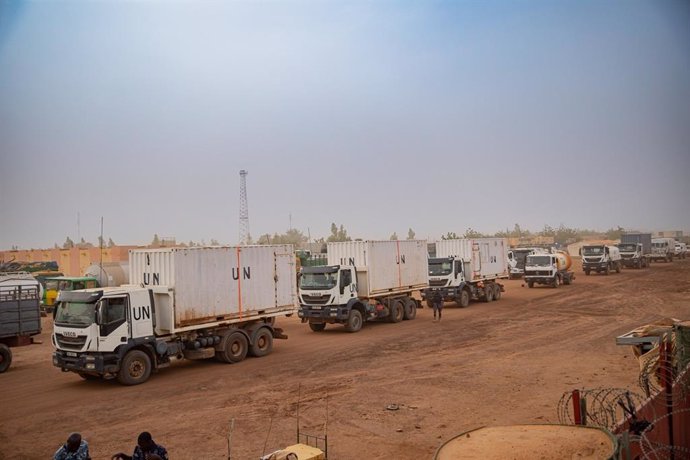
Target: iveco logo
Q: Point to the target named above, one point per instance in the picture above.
(69, 333)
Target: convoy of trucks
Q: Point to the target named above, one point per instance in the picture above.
(551, 269)
(191, 303)
(663, 249)
(468, 269)
(600, 258)
(635, 249)
(364, 281)
(20, 314)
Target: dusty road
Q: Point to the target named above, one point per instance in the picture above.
(498, 363)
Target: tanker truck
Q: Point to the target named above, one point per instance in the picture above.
(468, 269)
(109, 274)
(600, 258)
(363, 281)
(183, 303)
(550, 269)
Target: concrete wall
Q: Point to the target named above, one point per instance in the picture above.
(71, 262)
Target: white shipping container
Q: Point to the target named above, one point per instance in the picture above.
(220, 283)
(383, 267)
(487, 257)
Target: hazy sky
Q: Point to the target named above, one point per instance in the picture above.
(378, 115)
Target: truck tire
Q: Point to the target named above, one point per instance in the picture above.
(618, 267)
(410, 308)
(396, 311)
(464, 300)
(317, 327)
(587, 272)
(530, 284)
(497, 292)
(488, 293)
(135, 368)
(555, 282)
(566, 279)
(5, 357)
(429, 303)
(607, 271)
(262, 344)
(354, 321)
(233, 347)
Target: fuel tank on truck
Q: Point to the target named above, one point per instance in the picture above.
(109, 274)
(563, 260)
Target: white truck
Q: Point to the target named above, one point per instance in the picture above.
(517, 258)
(680, 250)
(192, 303)
(363, 281)
(468, 268)
(663, 249)
(20, 314)
(551, 269)
(600, 258)
(635, 249)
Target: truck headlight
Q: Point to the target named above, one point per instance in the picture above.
(91, 366)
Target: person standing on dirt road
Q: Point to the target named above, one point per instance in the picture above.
(75, 448)
(146, 449)
(437, 304)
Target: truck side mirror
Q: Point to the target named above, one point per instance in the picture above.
(99, 313)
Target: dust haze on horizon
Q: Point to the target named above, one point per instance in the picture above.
(381, 116)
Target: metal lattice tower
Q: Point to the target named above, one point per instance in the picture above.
(244, 208)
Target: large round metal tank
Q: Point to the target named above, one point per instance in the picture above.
(563, 260)
(110, 274)
(528, 442)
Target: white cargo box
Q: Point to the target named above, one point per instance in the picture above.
(220, 283)
(383, 267)
(487, 257)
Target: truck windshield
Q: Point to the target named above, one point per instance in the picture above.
(75, 314)
(539, 261)
(318, 281)
(592, 250)
(627, 247)
(440, 267)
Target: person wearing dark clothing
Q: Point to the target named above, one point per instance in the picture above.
(145, 449)
(437, 304)
(74, 449)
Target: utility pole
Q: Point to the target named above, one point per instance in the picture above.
(244, 208)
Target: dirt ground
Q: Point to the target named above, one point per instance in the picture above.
(489, 364)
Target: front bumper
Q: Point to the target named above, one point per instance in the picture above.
(325, 313)
(89, 363)
(594, 265)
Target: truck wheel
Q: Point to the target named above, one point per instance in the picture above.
(317, 327)
(464, 299)
(488, 293)
(410, 309)
(233, 347)
(429, 303)
(555, 282)
(5, 357)
(135, 368)
(354, 321)
(618, 267)
(607, 271)
(497, 292)
(397, 311)
(263, 343)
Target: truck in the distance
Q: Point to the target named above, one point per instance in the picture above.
(680, 250)
(467, 269)
(600, 258)
(363, 281)
(517, 258)
(20, 313)
(662, 249)
(635, 249)
(550, 269)
(192, 303)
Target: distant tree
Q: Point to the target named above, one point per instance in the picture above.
(191, 244)
(548, 231)
(338, 233)
(471, 233)
(394, 236)
(410, 234)
(214, 242)
(450, 236)
(16, 248)
(156, 241)
(614, 233)
(68, 244)
(56, 246)
(111, 243)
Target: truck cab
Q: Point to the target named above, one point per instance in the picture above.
(517, 258)
(632, 255)
(446, 275)
(680, 250)
(95, 328)
(327, 294)
(600, 258)
(663, 249)
(549, 269)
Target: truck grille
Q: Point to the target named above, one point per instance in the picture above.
(627, 256)
(538, 273)
(73, 343)
(316, 299)
(438, 283)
